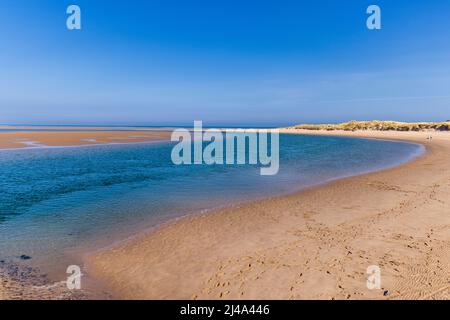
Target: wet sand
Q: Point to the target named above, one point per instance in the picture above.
(315, 244)
(75, 138)
(20, 282)
(3, 294)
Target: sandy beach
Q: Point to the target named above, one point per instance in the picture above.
(3, 295)
(24, 139)
(315, 244)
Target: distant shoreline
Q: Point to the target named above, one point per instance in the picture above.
(24, 139)
(384, 125)
(51, 136)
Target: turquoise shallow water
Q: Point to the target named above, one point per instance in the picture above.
(57, 202)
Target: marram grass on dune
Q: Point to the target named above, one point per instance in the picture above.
(378, 126)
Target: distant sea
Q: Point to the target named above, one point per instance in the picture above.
(65, 128)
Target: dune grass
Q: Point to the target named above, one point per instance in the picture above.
(378, 125)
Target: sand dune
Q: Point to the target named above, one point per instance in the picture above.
(377, 125)
(316, 244)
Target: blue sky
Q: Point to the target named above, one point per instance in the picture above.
(240, 62)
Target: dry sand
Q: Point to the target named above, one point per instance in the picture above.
(315, 244)
(74, 138)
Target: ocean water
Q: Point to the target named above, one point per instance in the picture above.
(56, 203)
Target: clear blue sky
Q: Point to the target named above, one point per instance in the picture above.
(223, 61)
